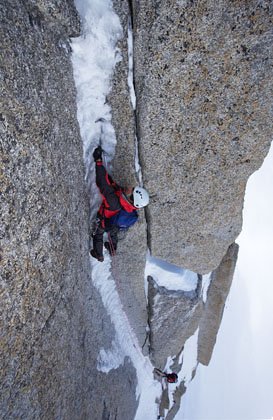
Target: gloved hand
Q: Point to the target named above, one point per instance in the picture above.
(97, 154)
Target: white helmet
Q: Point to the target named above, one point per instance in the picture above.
(141, 197)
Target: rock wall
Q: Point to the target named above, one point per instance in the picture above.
(173, 318)
(221, 280)
(129, 265)
(203, 77)
(203, 121)
(53, 323)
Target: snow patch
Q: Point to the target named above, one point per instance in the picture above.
(189, 359)
(94, 57)
(110, 359)
(137, 164)
(126, 343)
(170, 276)
(206, 279)
(131, 87)
(169, 363)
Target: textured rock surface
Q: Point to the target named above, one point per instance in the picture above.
(217, 294)
(128, 271)
(173, 318)
(123, 116)
(203, 74)
(177, 395)
(129, 264)
(175, 315)
(53, 323)
(204, 95)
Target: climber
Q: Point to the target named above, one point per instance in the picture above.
(170, 377)
(117, 203)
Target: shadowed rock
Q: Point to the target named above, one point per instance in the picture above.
(173, 318)
(221, 280)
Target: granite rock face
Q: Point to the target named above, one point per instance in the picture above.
(203, 80)
(128, 271)
(203, 77)
(173, 318)
(221, 280)
(203, 122)
(53, 323)
(129, 265)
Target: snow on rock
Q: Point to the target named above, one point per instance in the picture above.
(173, 317)
(189, 358)
(94, 57)
(111, 358)
(170, 276)
(130, 67)
(206, 279)
(126, 343)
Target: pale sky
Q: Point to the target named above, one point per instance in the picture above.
(238, 384)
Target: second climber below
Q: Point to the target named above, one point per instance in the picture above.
(115, 200)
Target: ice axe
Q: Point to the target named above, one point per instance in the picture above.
(102, 121)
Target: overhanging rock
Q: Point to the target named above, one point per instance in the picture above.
(203, 77)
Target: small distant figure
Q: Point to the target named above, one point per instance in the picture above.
(172, 378)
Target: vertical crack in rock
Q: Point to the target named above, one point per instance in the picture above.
(133, 95)
(132, 248)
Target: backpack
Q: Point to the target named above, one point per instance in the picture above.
(171, 378)
(124, 219)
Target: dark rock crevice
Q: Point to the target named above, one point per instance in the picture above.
(138, 153)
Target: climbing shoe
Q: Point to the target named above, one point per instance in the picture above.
(95, 255)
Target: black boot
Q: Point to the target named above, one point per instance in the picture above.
(95, 255)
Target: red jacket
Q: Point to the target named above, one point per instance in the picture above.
(113, 197)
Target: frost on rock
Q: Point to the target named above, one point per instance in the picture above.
(94, 57)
